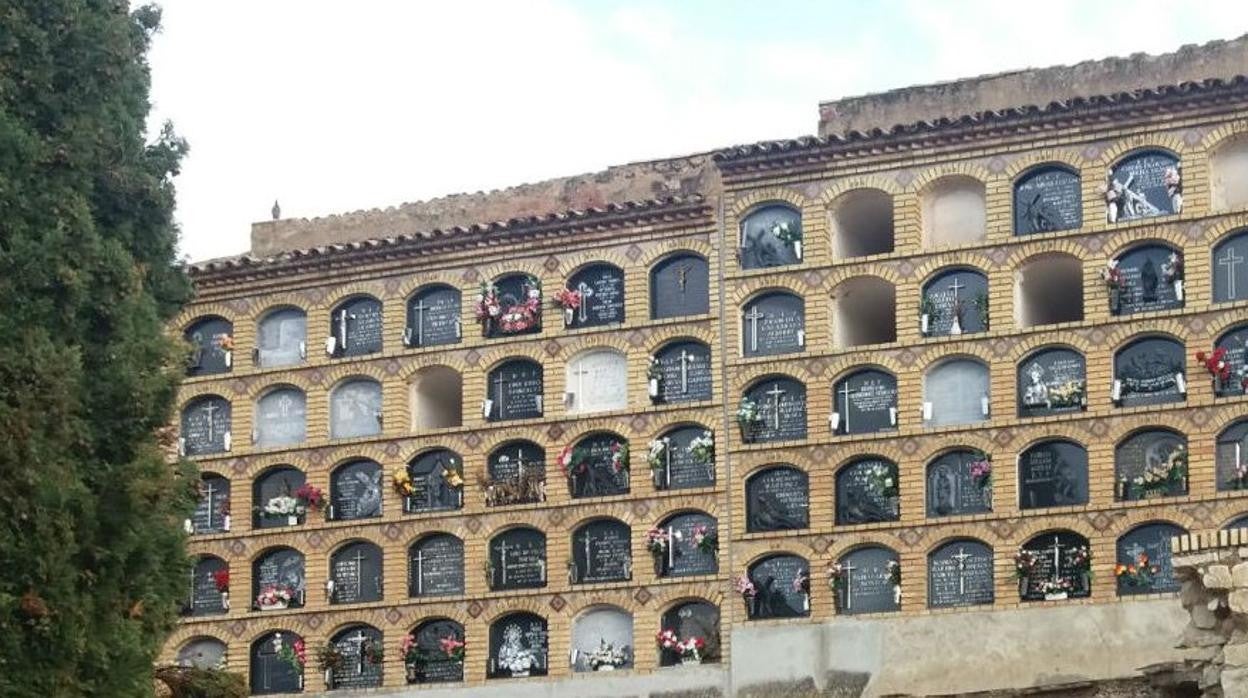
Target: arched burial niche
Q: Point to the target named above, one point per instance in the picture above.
(862, 223)
(1149, 371)
(680, 286)
(959, 573)
(599, 290)
(692, 545)
(1052, 380)
(519, 646)
(693, 624)
(361, 650)
(435, 566)
(355, 573)
(864, 402)
(212, 506)
(954, 302)
(1053, 473)
(683, 457)
(1143, 184)
(1228, 168)
(771, 236)
(601, 552)
(1055, 565)
(1047, 198)
(275, 499)
(205, 426)
(1231, 456)
(511, 305)
(684, 372)
(281, 418)
(516, 474)
(868, 491)
(1230, 268)
(433, 317)
(1150, 278)
(210, 587)
(773, 409)
(435, 482)
(602, 639)
(864, 311)
(272, 670)
(515, 390)
(869, 581)
(1048, 289)
(437, 398)
(773, 323)
(597, 381)
(955, 486)
(211, 343)
(203, 653)
(1144, 559)
(278, 579)
(435, 653)
(955, 391)
(356, 327)
(782, 583)
(1150, 463)
(954, 212)
(517, 559)
(777, 498)
(282, 338)
(597, 465)
(355, 409)
(355, 490)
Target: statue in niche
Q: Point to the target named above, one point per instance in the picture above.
(1042, 215)
(369, 502)
(767, 249)
(513, 656)
(943, 487)
(771, 602)
(1148, 281)
(861, 507)
(768, 514)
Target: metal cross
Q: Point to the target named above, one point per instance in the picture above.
(685, 359)
(359, 641)
(955, 287)
(845, 392)
(682, 276)
(775, 394)
(502, 560)
(589, 561)
(420, 321)
(1230, 260)
(420, 572)
(1057, 557)
(848, 568)
(209, 491)
(499, 381)
(962, 556)
(359, 571)
(585, 291)
(210, 408)
(343, 318)
(520, 463)
(753, 317)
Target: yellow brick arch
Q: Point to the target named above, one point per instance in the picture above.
(1047, 432)
(926, 178)
(1125, 334)
(971, 260)
(613, 341)
(437, 530)
(1029, 345)
(744, 205)
(374, 618)
(336, 375)
(883, 450)
(846, 365)
(802, 465)
(503, 607)
(967, 531)
(334, 538)
(618, 512)
(359, 289)
(411, 366)
(492, 359)
(1137, 424)
(259, 389)
(444, 612)
(1228, 520)
(1125, 240)
(1024, 254)
(1223, 135)
(261, 550)
(268, 304)
(1070, 524)
(342, 455)
(528, 432)
(679, 423)
(575, 262)
(964, 442)
(757, 551)
(262, 464)
(850, 542)
(660, 251)
(669, 597)
(1224, 229)
(676, 333)
(750, 376)
(448, 443)
(937, 355)
(532, 267)
(193, 314)
(1145, 141)
(754, 287)
(194, 391)
(1065, 158)
(842, 274)
(1132, 519)
(855, 183)
(689, 507)
(503, 522)
(428, 279)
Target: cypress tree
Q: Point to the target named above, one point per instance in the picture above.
(92, 559)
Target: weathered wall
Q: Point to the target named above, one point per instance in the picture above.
(1219, 59)
(632, 182)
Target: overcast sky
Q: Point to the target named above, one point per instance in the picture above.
(337, 106)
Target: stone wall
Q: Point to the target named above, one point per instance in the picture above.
(1214, 569)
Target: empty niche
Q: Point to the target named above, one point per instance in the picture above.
(597, 381)
(602, 639)
(355, 409)
(956, 392)
(203, 653)
(954, 212)
(864, 311)
(1048, 289)
(437, 398)
(1229, 174)
(282, 337)
(862, 224)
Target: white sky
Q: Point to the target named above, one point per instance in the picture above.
(334, 106)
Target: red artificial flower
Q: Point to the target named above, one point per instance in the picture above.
(222, 579)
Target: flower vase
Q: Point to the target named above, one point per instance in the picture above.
(1178, 290)
(275, 606)
(836, 601)
(605, 667)
(691, 660)
(1022, 588)
(749, 430)
(569, 316)
(413, 674)
(1086, 578)
(1115, 300)
(225, 600)
(1059, 596)
(924, 323)
(225, 523)
(749, 606)
(292, 520)
(329, 679)
(806, 603)
(955, 329)
(897, 594)
(658, 565)
(653, 388)
(797, 248)
(658, 477)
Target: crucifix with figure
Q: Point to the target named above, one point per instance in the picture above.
(1231, 261)
(586, 293)
(962, 556)
(848, 569)
(753, 317)
(358, 640)
(420, 308)
(844, 393)
(775, 394)
(589, 559)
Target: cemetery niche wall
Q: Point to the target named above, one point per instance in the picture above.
(771, 236)
(773, 409)
(210, 587)
(355, 491)
(956, 391)
(683, 457)
(1149, 371)
(355, 574)
(519, 647)
(1230, 268)
(594, 296)
(597, 465)
(433, 317)
(435, 564)
(437, 398)
(959, 573)
(777, 498)
(516, 474)
(1150, 463)
(212, 506)
(517, 559)
(435, 652)
(434, 482)
(862, 223)
(680, 286)
(681, 371)
(596, 381)
(356, 328)
(1053, 473)
(515, 391)
(275, 494)
(281, 338)
(1047, 198)
(1052, 380)
(511, 305)
(868, 491)
(1143, 565)
(1149, 278)
(864, 402)
(278, 579)
(868, 581)
(601, 552)
(782, 586)
(355, 409)
(1144, 184)
(358, 651)
(685, 544)
(864, 311)
(1048, 290)
(211, 344)
(773, 323)
(954, 302)
(953, 212)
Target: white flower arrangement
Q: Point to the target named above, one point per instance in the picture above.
(703, 447)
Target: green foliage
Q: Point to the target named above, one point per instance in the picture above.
(189, 682)
(92, 558)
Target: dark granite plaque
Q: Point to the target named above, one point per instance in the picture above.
(777, 499)
(1047, 199)
(1145, 288)
(1138, 181)
(355, 491)
(1149, 371)
(1142, 465)
(515, 460)
(202, 653)
(693, 619)
(775, 579)
(205, 426)
(1055, 555)
(1230, 269)
(269, 672)
(684, 558)
(356, 570)
(682, 469)
(1235, 342)
(433, 317)
(960, 574)
(212, 506)
(281, 481)
(863, 494)
(283, 338)
(357, 327)
(211, 341)
(687, 372)
(355, 409)
(518, 559)
(515, 390)
(281, 418)
(355, 646)
(951, 489)
(867, 586)
(1152, 541)
(512, 290)
(957, 391)
(1231, 457)
(433, 475)
(680, 285)
(602, 295)
(773, 323)
(1053, 474)
(955, 302)
(602, 552)
(1052, 380)
(763, 234)
(205, 598)
(278, 567)
(436, 566)
(436, 666)
(518, 647)
(782, 409)
(596, 476)
(865, 402)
